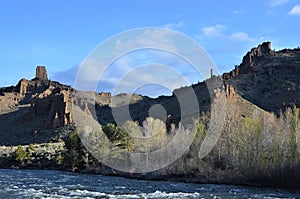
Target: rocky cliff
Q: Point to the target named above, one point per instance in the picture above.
(32, 108)
(267, 78)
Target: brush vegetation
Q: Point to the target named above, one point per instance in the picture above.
(260, 148)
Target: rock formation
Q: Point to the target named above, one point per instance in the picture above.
(267, 78)
(24, 86)
(230, 91)
(105, 94)
(56, 106)
(37, 85)
(47, 99)
(41, 73)
(250, 60)
(249, 63)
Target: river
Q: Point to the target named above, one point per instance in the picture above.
(57, 184)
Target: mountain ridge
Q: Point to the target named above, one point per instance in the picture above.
(268, 79)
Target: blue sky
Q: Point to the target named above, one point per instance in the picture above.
(61, 34)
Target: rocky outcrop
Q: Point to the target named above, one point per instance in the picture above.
(31, 87)
(249, 63)
(230, 91)
(57, 107)
(250, 60)
(269, 79)
(55, 101)
(41, 73)
(24, 86)
(37, 104)
(105, 94)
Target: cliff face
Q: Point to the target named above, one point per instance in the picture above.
(251, 59)
(269, 79)
(34, 106)
(56, 104)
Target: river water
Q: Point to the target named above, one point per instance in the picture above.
(57, 184)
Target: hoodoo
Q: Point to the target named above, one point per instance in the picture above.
(41, 73)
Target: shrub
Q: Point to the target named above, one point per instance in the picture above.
(23, 156)
(59, 159)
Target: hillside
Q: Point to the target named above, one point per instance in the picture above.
(270, 79)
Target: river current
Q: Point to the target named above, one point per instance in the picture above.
(16, 184)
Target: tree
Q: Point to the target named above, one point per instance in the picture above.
(73, 155)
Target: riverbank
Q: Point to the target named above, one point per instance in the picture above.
(33, 156)
(253, 156)
(51, 156)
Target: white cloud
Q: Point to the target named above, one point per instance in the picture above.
(153, 56)
(142, 70)
(174, 25)
(295, 10)
(152, 74)
(240, 36)
(139, 38)
(275, 3)
(214, 31)
(124, 61)
(219, 31)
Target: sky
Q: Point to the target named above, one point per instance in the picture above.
(61, 34)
